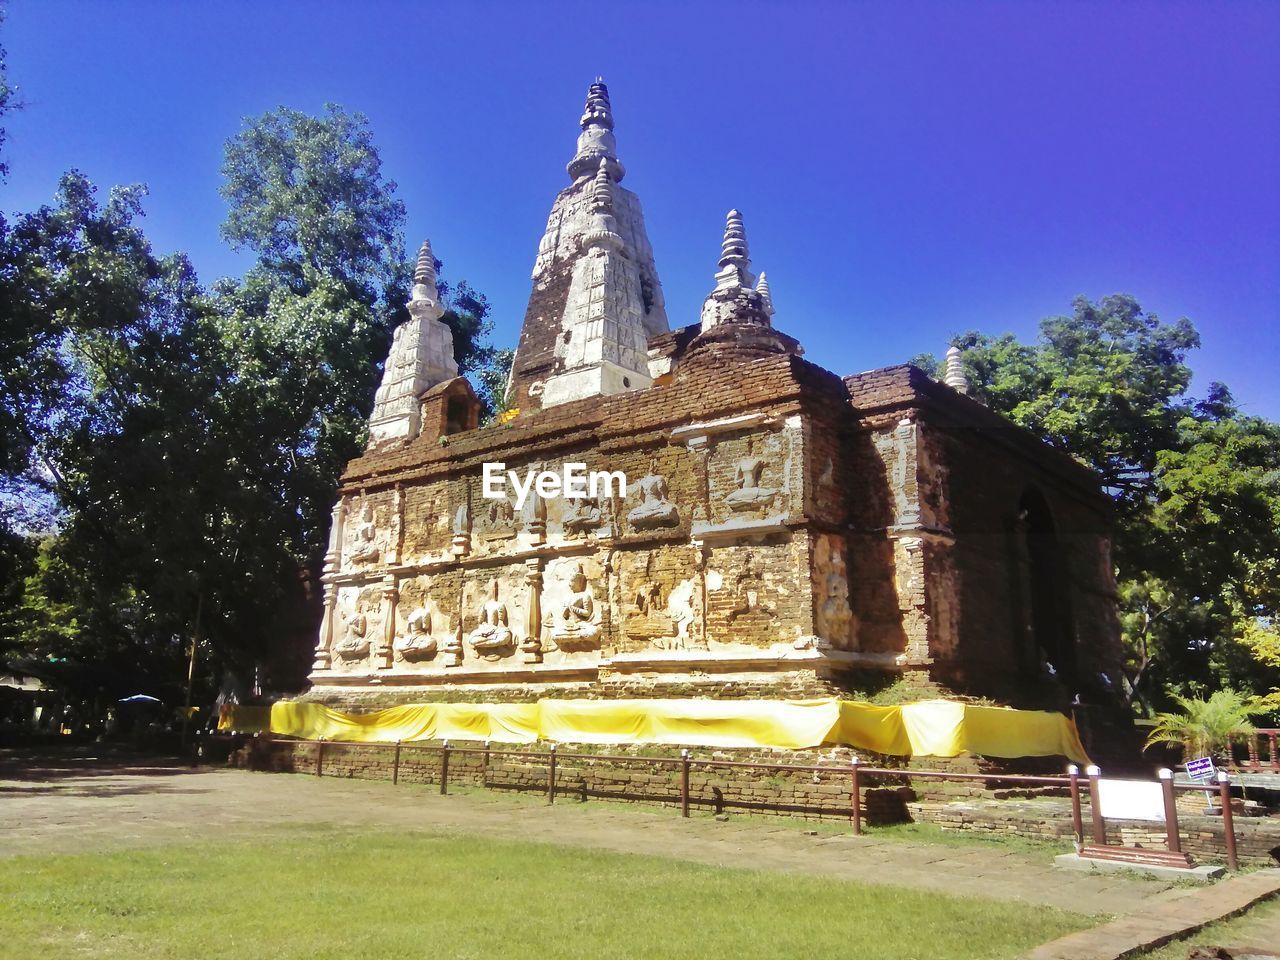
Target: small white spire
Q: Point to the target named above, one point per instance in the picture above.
(735, 262)
(602, 190)
(762, 288)
(954, 377)
(424, 274)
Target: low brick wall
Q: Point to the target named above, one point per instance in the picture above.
(1257, 838)
(632, 779)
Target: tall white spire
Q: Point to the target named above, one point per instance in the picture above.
(596, 298)
(421, 356)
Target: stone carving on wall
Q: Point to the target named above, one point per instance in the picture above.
(834, 616)
(750, 593)
(417, 642)
(359, 628)
(579, 626)
(533, 517)
(452, 647)
(496, 520)
(492, 638)
(462, 530)
(582, 517)
(748, 494)
(685, 608)
(365, 546)
(648, 618)
(655, 510)
(531, 646)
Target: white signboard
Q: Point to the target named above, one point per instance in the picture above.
(1131, 799)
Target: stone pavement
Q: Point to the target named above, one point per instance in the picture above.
(1163, 922)
(70, 805)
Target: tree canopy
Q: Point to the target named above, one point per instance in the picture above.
(1195, 482)
(171, 452)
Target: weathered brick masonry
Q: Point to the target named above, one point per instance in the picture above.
(783, 532)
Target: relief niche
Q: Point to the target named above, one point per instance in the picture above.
(360, 622)
(417, 643)
(492, 638)
(577, 621)
(835, 621)
(654, 511)
(366, 543)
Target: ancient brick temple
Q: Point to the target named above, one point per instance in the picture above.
(784, 531)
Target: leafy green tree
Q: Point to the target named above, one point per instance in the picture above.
(1196, 485)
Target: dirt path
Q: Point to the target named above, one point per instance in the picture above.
(82, 804)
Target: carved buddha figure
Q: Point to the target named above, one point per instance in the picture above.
(581, 515)
(749, 495)
(655, 510)
(364, 548)
(577, 626)
(493, 632)
(355, 642)
(417, 643)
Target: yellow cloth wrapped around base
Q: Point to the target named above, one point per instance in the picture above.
(938, 728)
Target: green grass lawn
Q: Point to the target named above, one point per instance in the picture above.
(377, 895)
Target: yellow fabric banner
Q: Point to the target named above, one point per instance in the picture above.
(939, 728)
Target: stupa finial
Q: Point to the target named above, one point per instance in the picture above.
(596, 142)
(598, 110)
(735, 262)
(425, 272)
(762, 288)
(955, 376)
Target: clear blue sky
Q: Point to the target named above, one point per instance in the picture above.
(906, 170)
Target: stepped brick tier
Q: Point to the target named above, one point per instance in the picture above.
(783, 531)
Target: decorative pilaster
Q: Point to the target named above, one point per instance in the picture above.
(324, 659)
(332, 564)
(534, 519)
(531, 646)
(384, 654)
(461, 545)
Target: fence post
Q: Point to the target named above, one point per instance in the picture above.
(1095, 806)
(684, 783)
(1228, 820)
(1271, 748)
(855, 808)
(320, 757)
(1170, 810)
(1077, 820)
(1254, 762)
(551, 776)
(444, 767)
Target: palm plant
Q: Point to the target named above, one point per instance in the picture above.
(1204, 727)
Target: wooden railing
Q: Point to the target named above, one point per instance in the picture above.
(1254, 763)
(859, 778)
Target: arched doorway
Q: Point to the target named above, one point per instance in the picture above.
(1050, 641)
